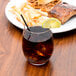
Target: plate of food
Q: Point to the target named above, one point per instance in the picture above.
(57, 15)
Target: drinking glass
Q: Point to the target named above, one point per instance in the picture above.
(37, 44)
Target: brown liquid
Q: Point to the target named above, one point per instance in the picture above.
(37, 48)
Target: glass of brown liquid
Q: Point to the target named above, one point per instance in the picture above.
(37, 45)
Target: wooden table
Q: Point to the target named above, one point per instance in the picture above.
(13, 62)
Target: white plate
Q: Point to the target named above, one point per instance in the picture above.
(70, 25)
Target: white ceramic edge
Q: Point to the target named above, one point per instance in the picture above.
(70, 25)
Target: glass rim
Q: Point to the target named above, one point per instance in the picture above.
(25, 28)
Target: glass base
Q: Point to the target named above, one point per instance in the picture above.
(38, 64)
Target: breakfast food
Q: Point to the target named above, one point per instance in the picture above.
(63, 12)
(33, 16)
(44, 5)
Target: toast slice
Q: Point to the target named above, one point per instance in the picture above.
(63, 12)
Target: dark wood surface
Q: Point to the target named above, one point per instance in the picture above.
(13, 62)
